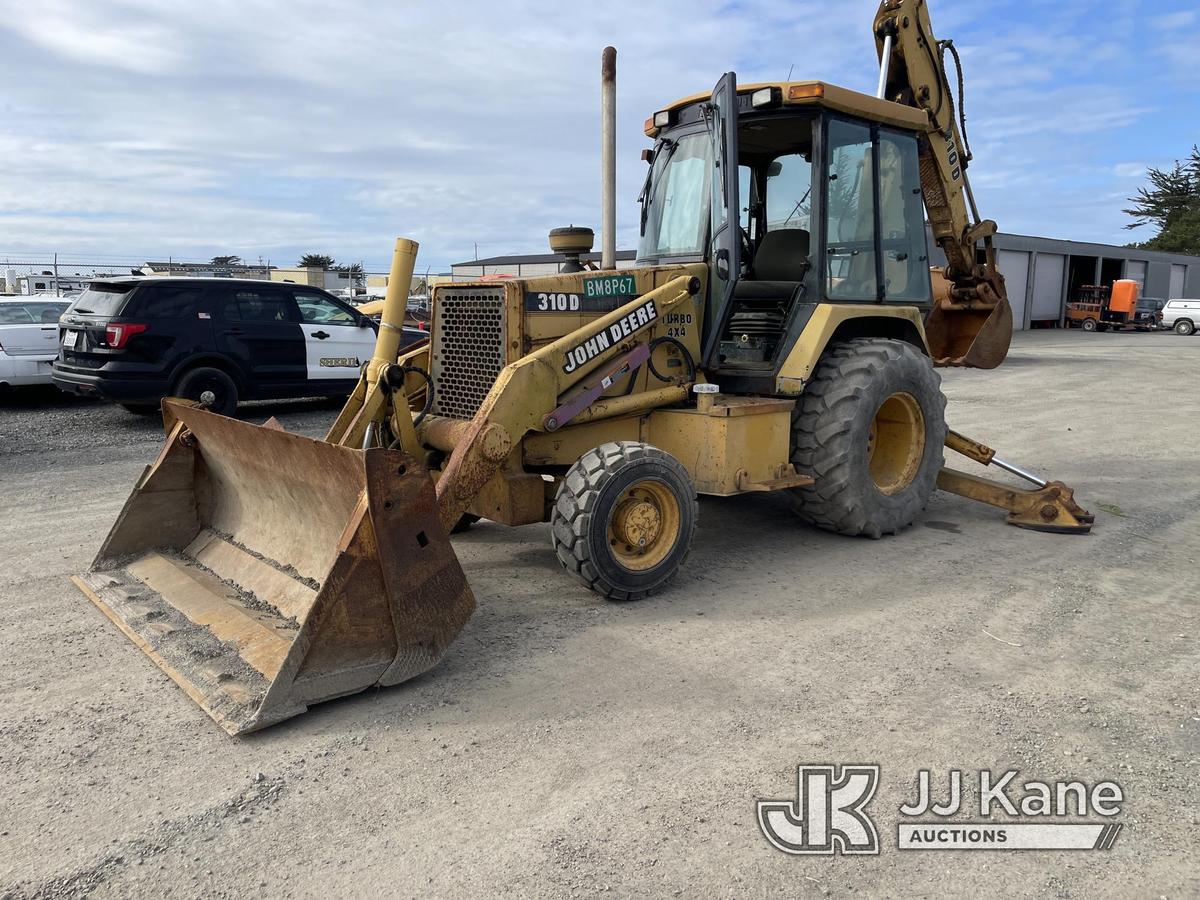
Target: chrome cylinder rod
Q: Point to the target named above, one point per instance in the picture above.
(1018, 471)
(885, 64)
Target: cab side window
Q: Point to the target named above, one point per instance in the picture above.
(850, 213)
(789, 193)
(264, 305)
(902, 220)
(316, 309)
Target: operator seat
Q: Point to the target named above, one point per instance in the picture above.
(762, 303)
(779, 266)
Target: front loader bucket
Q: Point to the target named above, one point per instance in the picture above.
(265, 571)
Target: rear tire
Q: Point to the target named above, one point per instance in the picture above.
(1184, 327)
(210, 387)
(870, 428)
(1089, 325)
(623, 519)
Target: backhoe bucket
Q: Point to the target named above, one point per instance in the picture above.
(974, 332)
(265, 571)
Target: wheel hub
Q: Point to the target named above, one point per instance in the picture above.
(896, 443)
(208, 398)
(644, 525)
(637, 523)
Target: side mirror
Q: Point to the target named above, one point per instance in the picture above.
(364, 322)
(774, 169)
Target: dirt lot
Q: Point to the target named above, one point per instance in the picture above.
(573, 746)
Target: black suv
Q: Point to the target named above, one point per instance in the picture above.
(214, 340)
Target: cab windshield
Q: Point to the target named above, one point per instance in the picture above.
(676, 202)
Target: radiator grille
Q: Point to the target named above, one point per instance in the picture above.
(468, 349)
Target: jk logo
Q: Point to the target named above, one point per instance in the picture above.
(828, 815)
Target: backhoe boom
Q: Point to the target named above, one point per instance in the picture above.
(971, 322)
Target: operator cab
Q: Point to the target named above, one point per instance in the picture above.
(827, 208)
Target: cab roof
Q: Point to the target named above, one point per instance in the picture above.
(822, 94)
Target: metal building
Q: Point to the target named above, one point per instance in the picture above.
(527, 266)
(1042, 273)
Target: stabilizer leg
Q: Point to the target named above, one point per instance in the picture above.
(1050, 507)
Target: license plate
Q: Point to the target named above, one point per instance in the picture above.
(610, 286)
(70, 339)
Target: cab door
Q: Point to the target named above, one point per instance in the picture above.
(725, 246)
(335, 340)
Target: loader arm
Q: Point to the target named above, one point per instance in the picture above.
(971, 321)
(529, 389)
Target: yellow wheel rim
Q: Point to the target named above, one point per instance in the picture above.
(896, 443)
(644, 525)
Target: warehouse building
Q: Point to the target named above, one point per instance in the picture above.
(527, 266)
(1042, 273)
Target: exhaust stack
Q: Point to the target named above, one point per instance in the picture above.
(608, 158)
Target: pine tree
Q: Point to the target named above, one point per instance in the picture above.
(1172, 203)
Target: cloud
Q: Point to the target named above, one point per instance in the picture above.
(147, 128)
(1175, 20)
(83, 33)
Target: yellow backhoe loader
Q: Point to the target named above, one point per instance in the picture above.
(779, 333)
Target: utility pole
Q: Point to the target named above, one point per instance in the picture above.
(57, 286)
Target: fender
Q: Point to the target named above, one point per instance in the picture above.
(833, 322)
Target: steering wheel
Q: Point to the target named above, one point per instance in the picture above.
(747, 248)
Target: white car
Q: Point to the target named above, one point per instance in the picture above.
(28, 339)
(1182, 316)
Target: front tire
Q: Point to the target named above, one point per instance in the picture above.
(870, 428)
(1089, 325)
(212, 388)
(1184, 327)
(624, 518)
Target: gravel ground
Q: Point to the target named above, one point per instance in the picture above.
(569, 746)
(35, 421)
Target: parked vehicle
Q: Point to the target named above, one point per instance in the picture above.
(28, 340)
(1100, 307)
(214, 340)
(1183, 316)
(1147, 316)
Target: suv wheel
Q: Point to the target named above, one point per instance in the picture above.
(1183, 326)
(211, 388)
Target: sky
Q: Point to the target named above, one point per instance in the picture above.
(139, 130)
